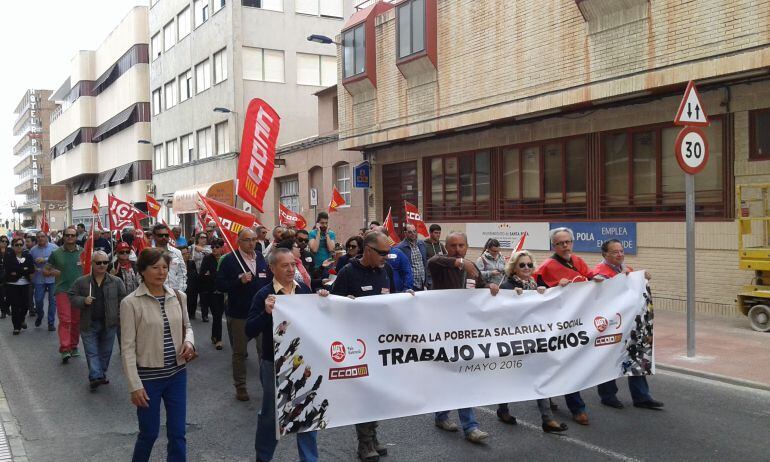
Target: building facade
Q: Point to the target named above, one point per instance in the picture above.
(311, 168)
(100, 134)
(32, 162)
(549, 113)
(209, 58)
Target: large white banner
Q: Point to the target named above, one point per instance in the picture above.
(509, 234)
(341, 361)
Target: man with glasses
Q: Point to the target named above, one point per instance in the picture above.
(453, 271)
(560, 269)
(64, 264)
(414, 250)
(241, 274)
(302, 239)
(177, 270)
(262, 240)
(364, 277)
(82, 235)
(43, 280)
(97, 296)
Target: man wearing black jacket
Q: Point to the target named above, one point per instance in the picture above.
(363, 277)
(260, 322)
(242, 273)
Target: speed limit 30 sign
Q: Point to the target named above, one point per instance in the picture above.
(692, 150)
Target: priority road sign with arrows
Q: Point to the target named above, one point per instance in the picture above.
(691, 111)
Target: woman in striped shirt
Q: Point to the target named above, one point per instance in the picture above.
(156, 343)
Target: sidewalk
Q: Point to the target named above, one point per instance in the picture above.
(726, 349)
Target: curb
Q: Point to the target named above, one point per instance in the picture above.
(9, 431)
(716, 377)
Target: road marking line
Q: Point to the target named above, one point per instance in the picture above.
(562, 437)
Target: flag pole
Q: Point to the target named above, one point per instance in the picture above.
(91, 269)
(218, 223)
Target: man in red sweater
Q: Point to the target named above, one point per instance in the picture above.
(562, 268)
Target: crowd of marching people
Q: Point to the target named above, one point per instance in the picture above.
(145, 287)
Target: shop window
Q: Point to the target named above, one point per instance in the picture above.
(460, 186)
(759, 127)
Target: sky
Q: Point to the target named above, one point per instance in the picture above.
(39, 39)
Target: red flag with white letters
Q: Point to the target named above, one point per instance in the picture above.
(290, 218)
(390, 229)
(413, 217)
(153, 206)
(229, 219)
(257, 159)
(122, 214)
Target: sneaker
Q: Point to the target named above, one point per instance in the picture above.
(446, 425)
(367, 452)
(381, 449)
(51, 328)
(476, 436)
(74, 353)
(65, 357)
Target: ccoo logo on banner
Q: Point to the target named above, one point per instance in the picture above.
(341, 361)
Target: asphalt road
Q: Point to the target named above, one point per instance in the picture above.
(60, 419)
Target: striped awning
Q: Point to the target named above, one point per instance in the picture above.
(121, 118)
(121, 173)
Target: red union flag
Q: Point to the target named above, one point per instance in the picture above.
(337, 200)
(95, 206)
(391, 230)
(257, 158)
(122, 214)
(229, 219)
(413, 217)
(153, 207)
(289, 218)
(44, 224)
(88, 249)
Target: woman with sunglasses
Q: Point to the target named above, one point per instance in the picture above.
(518, 274)
(124, 268)
(5, 308)
(19, 267)
(212, 299)
(353, 248)
(198, 250)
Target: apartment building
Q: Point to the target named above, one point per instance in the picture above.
(209, 58)
(500, 116)
(100, 134)
(32, 162)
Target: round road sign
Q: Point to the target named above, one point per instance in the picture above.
(692, 150)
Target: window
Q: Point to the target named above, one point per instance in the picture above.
(641, 177)
(222, 138)
(354, 55)
(459, 185)
(160, 160)
(316, 70)
(220, 66)
(186, 146)
(759, 142)
(155, 45)
(545, 179)
(156, 102)
(289, 189)
(342, 181)
(185, 86)
(202, 76)
(183, 23)
(172, 153)
(170, 94)
(205, 148)
(411, 27)
(169, 36)
(331, 8)
(218, 5)
(261, 64)
(275, 5)
(201, 9)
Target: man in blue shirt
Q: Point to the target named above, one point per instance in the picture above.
(43, 280)
(322, 240)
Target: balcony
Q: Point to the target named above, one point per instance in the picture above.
(25, 164)
(80, 114)
(24, 187)
(79, 161)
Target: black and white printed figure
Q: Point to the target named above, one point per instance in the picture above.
(639, 346)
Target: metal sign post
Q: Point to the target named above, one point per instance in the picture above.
(692, 152)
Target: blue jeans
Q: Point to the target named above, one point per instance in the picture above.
(637, 385)
(40, 290)
(575, 403)
(97, 343)
(265, 441)
(467, 418)
(173, 390)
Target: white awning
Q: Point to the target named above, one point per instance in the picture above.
(185, 200)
